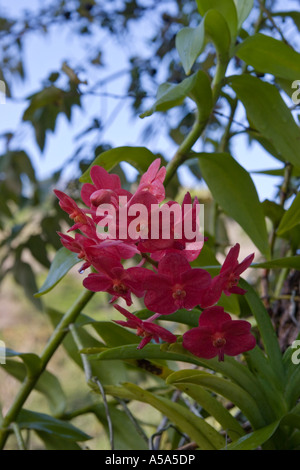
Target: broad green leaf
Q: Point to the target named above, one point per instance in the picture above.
(197, 429)
(139, 157)
(267, 331)
(214, 408)
(291, 218)
(197, 87)
(269, 55)
(49, 385)
(226, 8)
(234, 190)
(218, 31)
(255, 439)
(269, 114)
(63, 261)
(45, 423)
(243, 8)
(233, 392)
(190, 42)
(292, 390)
(292, 262)
(53, 442)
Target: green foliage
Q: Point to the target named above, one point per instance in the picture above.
(234, 191)
(63, 261)
(269, 55)
(253, 399)
(269, 114)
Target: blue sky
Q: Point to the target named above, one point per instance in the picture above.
(45, 54)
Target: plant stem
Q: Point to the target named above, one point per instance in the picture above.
(19, 437)
(29, 382)
(183, 150)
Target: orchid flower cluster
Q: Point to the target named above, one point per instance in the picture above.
(170, 283)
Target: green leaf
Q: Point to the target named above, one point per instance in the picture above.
(214, 408)
(48, 384)
(53, 442)
(226, 8)
(139, 157)
(291, 218)
(233, 392)
(243, 8)
(197, 429)
(197, 87)
(190, 42)
(114, 335)
(292, 262)
(269, 55)
(233, 188)
(31, 361)
(187, 317)
(107, 374)
(63, 261)
(269, 114)
(267, 331)
(175, 352)
(45, 423)
(295, 15)
(278, 172)
(24, 276)
(255, 439)
(217, 30)
(129, 440)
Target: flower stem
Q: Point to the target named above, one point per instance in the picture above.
(29, 382)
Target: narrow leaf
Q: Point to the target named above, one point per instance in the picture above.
(254, 439)
(201, 432)
(292, 262)
(233, 188)
(214, 408)
(291, 218)
(233, 392)
(267, 331)
(43, 422)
